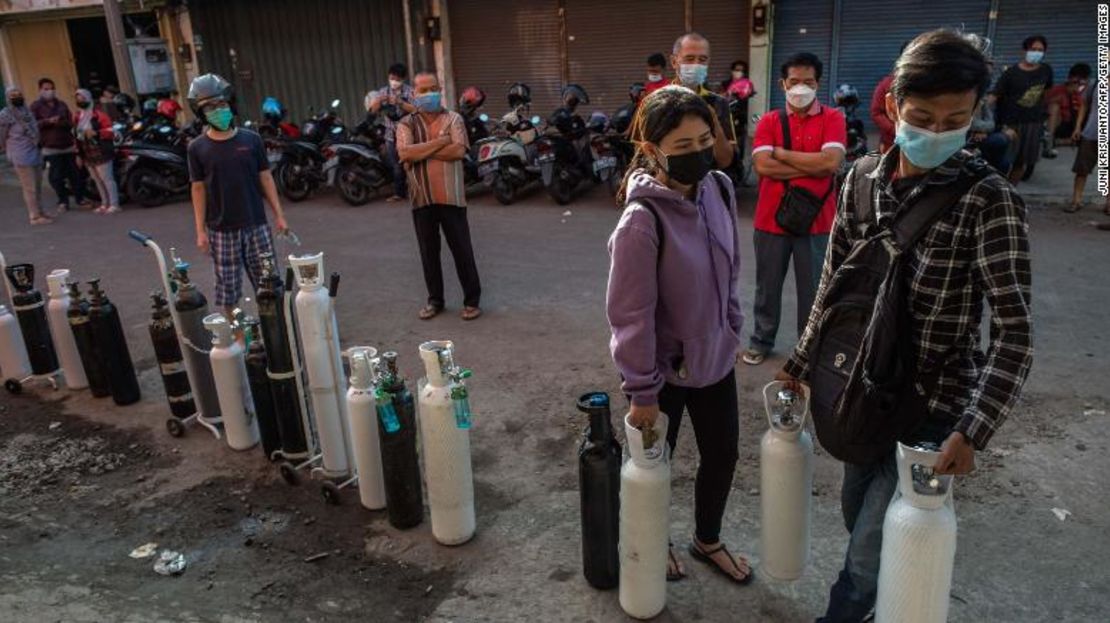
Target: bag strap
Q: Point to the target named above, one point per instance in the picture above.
(658, 230)
(911, 225)
(785, 128)
(725, 194)
(864, 188)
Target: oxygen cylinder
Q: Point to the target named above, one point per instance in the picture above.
(786, 483)
(919, 542)
(192, 307)
(599, 482)
(645, 520)
(171, 365)
(446, 447)
(30, 310)
(404, 495)
(111, 346)
(13, 352)
(64, 342)
(230, 371)
(261, 394)
(320, 344)
(279, 363)
(362, 411)
(78, 316)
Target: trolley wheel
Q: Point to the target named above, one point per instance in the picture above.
(289, 473)
(13, 386)
(175, 428)
(331, 492)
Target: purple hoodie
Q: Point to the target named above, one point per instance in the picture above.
(677, 318)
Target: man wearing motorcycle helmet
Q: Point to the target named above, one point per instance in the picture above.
(432, 143)
(470, 101)
(690, 61)
(395, 100)
(231, 176)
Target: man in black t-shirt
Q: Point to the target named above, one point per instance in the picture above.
(230, 175)
(1020, 94)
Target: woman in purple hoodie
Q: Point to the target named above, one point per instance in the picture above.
(673, 304)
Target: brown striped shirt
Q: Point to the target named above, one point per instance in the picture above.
(434, 181)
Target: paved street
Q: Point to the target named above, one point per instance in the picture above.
(65, 536)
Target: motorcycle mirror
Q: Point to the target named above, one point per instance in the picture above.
(535, 119)
(483, 117)
(335, 103)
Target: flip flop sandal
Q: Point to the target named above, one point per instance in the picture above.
(706, 557)
(471, 313)
(1072, 208)
(430, 311)
(672, 559)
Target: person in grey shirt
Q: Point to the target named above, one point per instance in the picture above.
(19, 139)
(1086, 155)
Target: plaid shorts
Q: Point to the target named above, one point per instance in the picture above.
(232, 250)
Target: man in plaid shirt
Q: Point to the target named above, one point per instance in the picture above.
(978, 248)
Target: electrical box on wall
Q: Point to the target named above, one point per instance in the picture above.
(152, 64)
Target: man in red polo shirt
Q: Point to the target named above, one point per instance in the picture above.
(817, 137)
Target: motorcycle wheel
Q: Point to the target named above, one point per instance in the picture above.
(353, 191)
(294, 185)
(561, 192)
(503, 191)
(140, 191)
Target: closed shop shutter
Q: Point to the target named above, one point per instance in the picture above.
(1069, 25)
(608, 44)
(304, 53)
(800, 26)
(867, 53)
(726, 24)
(495, 43)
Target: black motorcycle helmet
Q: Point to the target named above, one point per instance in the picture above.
(124, 102)
(636, 92)
(150, 106)
(471, 99)
(519, 95)
(208, 89)
(573, 95)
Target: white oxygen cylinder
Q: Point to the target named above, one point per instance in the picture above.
(64, 342)
(320, 349)
(14, 364)
(362, 411)
(229, 370)
(786, 483)
(645, 520)
(445, 450)
(919, 542)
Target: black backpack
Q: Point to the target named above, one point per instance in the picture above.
(865, 389)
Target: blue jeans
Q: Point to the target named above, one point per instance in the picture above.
(995, 149)
(864, 498)
(393, 161)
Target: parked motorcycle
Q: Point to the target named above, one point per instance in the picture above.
(506, 159)
(361, 173)
(606, 162)
(847, 101)
(303, 163)
(477, 129)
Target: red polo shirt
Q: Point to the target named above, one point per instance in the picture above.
(820, 128)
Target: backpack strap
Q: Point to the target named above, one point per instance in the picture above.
(863, 188)
(911, 225)
(658, 229)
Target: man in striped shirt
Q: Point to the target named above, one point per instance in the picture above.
(432, 144)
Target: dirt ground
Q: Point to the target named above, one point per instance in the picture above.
(83, 483)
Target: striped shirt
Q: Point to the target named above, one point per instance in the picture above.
(978, 249)
(433, 181)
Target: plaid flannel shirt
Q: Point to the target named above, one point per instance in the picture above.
(978, 249)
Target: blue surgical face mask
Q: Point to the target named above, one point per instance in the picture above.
(926, 149)
(1034, 56)
(429, 102)
(693, 75)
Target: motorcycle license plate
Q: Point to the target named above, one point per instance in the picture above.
(608, 162)
(486, 168)
(546, 158)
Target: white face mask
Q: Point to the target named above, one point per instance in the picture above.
(655, 77)
(800, 96)
(394, 84)
(736, 75)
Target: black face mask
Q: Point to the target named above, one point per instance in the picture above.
(18, 101)
(84, 104)
(689, 169)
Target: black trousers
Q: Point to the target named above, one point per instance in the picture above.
(715, 414)
(452, 220)
(63, 172)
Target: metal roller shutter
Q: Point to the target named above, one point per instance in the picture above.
(305, 54)
(726, 24)
(867, 54)
(800, 26)
(1069, 25)
(495, 43)
(608, 44)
